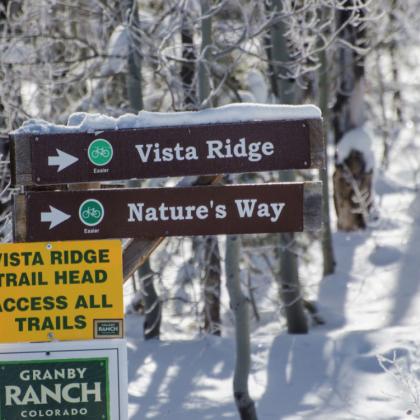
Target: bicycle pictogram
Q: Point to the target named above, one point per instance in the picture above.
(91, 212)
(100, 152)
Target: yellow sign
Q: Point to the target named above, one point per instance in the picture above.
(57, 290)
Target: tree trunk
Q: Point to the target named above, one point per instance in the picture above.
(240, 307)
(327, 245)
(3, 23)
(289, 285)
(133, 81)
(397, 106)
(385, 123)
(152, 303)
(397, 97)
(351, 180)
(203, 65)
(212, 254)
(188, 65)
(212, 268)
(393, 51)
(11, 114)
(290, 291)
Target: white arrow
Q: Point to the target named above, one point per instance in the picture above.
(54, 217)
(62, 160)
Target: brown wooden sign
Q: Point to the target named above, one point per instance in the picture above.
(131, 213)
(45, 159)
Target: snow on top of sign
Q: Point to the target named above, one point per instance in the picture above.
(359, 139)
(84, 122)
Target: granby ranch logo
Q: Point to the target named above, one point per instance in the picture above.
(76, 389)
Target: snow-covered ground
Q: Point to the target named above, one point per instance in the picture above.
(362, 364)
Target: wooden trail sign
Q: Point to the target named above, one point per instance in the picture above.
(154, 212)
(46, 159)
(61, 290)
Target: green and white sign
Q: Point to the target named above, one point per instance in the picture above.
(66, 380)
(91, 212)
(78, 388)
(100, 152)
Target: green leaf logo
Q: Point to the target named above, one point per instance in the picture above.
(100, 152)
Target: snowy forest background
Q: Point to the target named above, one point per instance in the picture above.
(326, 322)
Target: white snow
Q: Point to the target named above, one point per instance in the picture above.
(84, 122)
(358, 139)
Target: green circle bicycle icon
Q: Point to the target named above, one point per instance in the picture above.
(91, 212)
(100, 152)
